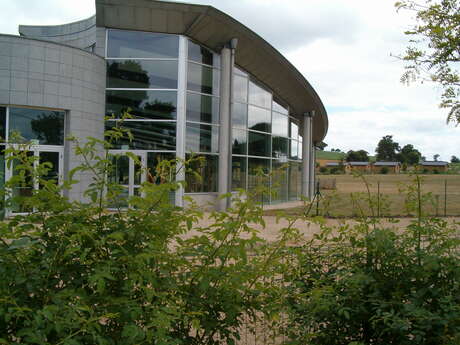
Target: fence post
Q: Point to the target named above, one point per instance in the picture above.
(378, 199)
(437, 205)
(445, 198)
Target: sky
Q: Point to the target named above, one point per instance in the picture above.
(346, 49)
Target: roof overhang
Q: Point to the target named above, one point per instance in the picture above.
(213, 28)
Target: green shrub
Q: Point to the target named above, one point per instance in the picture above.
(374, 284)
(384, 170)
(73, 273)
(323, 170)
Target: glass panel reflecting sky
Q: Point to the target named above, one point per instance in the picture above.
(201, 108)
(142, 104)
(137, 44)
(199, 54)
(294, 130)
(279, 108)
(280, 125)
(202, 79)
(142, 74)
(46, 126)
(240, 89)
(259, 96)
(202, 138)
(259, 119)
(240, 115)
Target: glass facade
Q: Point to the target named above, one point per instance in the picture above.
(142, 79)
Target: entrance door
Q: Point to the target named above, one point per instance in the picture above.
(49, 154)
(128, 173)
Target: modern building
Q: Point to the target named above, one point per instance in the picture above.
(195, 81)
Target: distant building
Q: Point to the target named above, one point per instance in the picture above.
(433, 166)
(364, 167)
(393, 167)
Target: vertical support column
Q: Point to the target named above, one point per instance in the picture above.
(307, 127)
(225, 153)
(312, 170)
(181, 115)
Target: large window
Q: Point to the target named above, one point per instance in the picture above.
(259, 119)
(200, 54)
(142, 104)
(137, 44)
(2, 124)
(239, 141)
(259, 179)
(259, 144)
(45, 126)
(259, 96)
(239, 171)
(142, 74)
(203, 79)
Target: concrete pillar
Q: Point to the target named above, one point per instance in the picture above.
(225, 137)
(307, 127)
(312, 181)
(181, 115)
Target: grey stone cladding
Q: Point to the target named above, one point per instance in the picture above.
(44, 74)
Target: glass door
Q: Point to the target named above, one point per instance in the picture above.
(128, 173)
(48, 154)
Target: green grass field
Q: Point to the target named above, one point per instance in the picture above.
(347, 200)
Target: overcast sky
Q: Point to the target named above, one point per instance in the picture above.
(342, 47)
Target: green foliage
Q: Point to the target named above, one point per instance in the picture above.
(409, 155)
(384, 170)
(454, 159)
(370, 283)
(357, 156)
(433, 53)
(323, 170)
(387, 149)
(75, 273)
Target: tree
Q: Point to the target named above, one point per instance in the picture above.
(455, 159)
(434, 53)
(387, 149)
(357, 156)
(436, 157)
(409, 155)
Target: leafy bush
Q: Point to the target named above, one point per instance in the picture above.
(323, 170)
(74, 273)
(373, 284)
(384, 170)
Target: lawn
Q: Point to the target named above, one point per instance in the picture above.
(349, 197)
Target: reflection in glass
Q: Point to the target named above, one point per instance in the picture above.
(137, 44)
(202, 138)
(202, 108)
(258, 176)
(53, 171)
(294, 180)
(280, 147)
(120, 170)
(2, 124)
(240, 89)
(294, 152)
(279, 182)
(202, 79)
(259, 144)
(2, 180)
(147, 135)
(206, 169)
(294, 130)
(239, 172)
(239, 141)
(46, 126)
(155, 174)
(23, 189)
(259, 96)
(142, 104)
(199, 54)
(259, 119)
(142, 74)
(280, 125)
(240, 115)
(276, 106)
